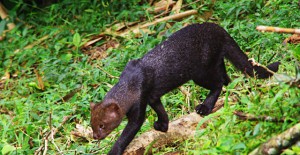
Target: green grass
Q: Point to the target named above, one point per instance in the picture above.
(25, 109)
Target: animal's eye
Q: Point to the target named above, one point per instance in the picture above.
(101, 126)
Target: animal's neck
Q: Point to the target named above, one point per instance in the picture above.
(124, 96)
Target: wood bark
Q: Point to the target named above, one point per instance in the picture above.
(179, 130)
(280, 142)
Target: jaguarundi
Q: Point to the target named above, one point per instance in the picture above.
(196, 53)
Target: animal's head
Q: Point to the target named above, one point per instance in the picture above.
(105, 117)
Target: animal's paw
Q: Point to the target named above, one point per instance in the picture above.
(203, 110)
(163, 127)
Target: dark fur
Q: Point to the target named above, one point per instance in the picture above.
(196, 53)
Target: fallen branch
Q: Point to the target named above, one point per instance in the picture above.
(136, 29)
(33, 44)
(173, 17)
(254, 63)
(111, 76)
(179, 130)
(250, 117)
(277, 29)
(93, 41)
(282, 141)
(69, 95)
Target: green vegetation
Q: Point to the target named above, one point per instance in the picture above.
(29, 110)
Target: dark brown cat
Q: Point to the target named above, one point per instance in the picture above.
(196, 53)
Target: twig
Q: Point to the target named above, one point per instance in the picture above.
(174, 17)
(33, 44)
(277, 29)
(254, 63)
(52, 138)
(250, 117)
(69, 95)
(57, 148)
(92, 41)
(187, 95)
(45, 147)
(218, 105)
(111, 76)
(184, 91)
(51, 133)
(50, 121)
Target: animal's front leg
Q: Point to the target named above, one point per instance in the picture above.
(207, 106)
(162, 124)
(136, 117)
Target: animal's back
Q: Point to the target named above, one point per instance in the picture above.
(188, 51)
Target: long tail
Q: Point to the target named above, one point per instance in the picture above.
(240, 60)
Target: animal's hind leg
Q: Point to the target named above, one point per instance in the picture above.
(206, 107)
(214, 79)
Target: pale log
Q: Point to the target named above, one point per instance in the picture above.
(179, 130)
(277, 29)
(280, 142)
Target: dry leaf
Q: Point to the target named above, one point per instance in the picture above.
(40, 80)
(177, 7)
(162, 5)
(97, 53)
(294, 39)
(82, 132)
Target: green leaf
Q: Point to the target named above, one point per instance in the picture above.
(289, 152)
(58, 46)
(33, 84)
(89, 10)
(239, 146)
(297, 71)
(2, 26)
(283, 77)
(66, 57)
(7, 148)
(296, 52)
(296, 148)
(24, 32)
(256, 129)
(76, 39)
(234, 83)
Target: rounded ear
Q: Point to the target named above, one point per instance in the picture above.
(113, 110)
(92, 105)
(112, 107)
